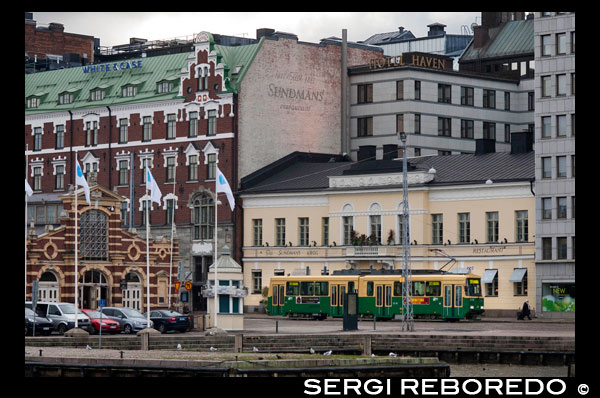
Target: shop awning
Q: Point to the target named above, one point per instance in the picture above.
(489, 275)
(517, 275)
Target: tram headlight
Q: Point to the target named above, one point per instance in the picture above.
(472, 307)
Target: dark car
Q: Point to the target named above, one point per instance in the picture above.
(165, 320)
(43, 326)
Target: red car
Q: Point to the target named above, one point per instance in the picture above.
(108, 325)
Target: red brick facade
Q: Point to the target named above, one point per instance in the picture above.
(53, 40)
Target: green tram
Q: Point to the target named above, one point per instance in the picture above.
(435, 295)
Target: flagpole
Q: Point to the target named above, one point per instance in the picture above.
(148, 204)
(216, 254)
(172, 233)
(76, 253)
(26, 171)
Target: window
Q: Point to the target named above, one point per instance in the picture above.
(489, 99)
(171, 133)
(401, 226)
(561, 43)
(147, 133)
(561, 125)
(491, 289)
(145, 204)
(193, 127)
(365, 93)
(507, 132)
(464, 227)
(546, 127)
(507, 101)
(348, 225)
(546, 208)
(303, 231)
(466, 96)
(212, 123)
(91, 133)
(123, 172)
(573, 125)
(37, 178)
(492, 226)
(60, 136)
(531, 101)
(444, 93)
(546, 86)
(572, 83)
(489, 130)
(211, 172)
(170, 211)
(546, 45)
(521, 287)
(547, 167)
(65, 98)
(257, 281)
(433, 289)
(365, 126)
(375, 227)
(37, 139)
(561, 167)
(573, 206)
(573, 166)
(33, 102)
(573, 42)
(193, 168)
(561, 84)
(60, 177)
(444, 153)
(129, 91)
(97, 95)
(171, 164)
(400, 90)
(437, 225)
(280, 232)
(417, 123)
(399, 123)
(561, 206)
(417, 89)
(466, 128)
(146, 163)
(546, 248)
(325, 231)
(418, 288)
(257, 229)
(561, 248)
(123, 131)
(93, 235)
(204, 217)
(522, 222)
(164, 87)
(445, 126)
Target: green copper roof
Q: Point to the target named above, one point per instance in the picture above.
(512, 38)
(49, 85)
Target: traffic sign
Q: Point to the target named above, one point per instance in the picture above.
(177, 285)
(34, 293)
(188, 285)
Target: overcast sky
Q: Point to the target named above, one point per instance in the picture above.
(113, 28)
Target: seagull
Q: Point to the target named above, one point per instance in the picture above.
(212, 348)
(278, 356)
(87, 347)
(27, 352)
(372, 355)
(327, 352)
(179, 346)
(254, 349)
(311, 350)
(393, 354)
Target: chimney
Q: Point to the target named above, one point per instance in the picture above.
(56, 27)
(401, 29)
(264, 32)
(521, 142)
(480, 35)
(436, 29)
(485, 145)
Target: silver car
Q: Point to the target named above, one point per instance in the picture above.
(62, 315)
(130, 320)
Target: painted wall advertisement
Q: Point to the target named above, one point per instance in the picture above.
(558, 297)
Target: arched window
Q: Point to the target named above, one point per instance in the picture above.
(48, 287)
(204, 217)
(93, 235)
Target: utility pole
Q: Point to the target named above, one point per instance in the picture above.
(407, 307)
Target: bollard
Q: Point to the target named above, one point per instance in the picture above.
(367, 346)
(121, 354)
(374, 322)
(238, 342)
(276, 326)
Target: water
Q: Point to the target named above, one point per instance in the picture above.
(495, 370)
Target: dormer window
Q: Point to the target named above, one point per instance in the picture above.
(129, 91)
(97, 94)
(33, 102)
(164, 87)
(65, 98)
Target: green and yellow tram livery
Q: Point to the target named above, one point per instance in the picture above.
(435, 294)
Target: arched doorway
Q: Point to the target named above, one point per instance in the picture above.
(48, 287)
(93, 286)
(132, 295)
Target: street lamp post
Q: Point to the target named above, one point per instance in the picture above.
(407, 307)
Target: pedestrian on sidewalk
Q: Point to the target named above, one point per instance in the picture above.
(525, 312)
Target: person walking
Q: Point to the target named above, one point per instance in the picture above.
(526, 312)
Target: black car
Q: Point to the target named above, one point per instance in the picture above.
(165, 320)
(43, 326)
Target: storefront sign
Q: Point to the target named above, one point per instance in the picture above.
(112, 67)
(414, 59)
(558, 297)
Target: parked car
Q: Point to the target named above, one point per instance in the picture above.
(165, 320)
(129, 320)
(108, 325)
(62, 315)
(43, 326)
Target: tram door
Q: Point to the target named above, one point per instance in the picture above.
(453, 306)
(277, 302)
(337, 299)
(383, 300)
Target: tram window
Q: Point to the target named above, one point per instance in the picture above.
(397, 288)
(307, 288)
(433, 288)
(418, 288)
(292, 288)
(458, 297)
(369, 288)
(473, 287)
(379, 296)
(321, 288)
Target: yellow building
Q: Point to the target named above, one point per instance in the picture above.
(316, 213)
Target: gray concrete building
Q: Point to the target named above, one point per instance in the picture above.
(555, 163)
